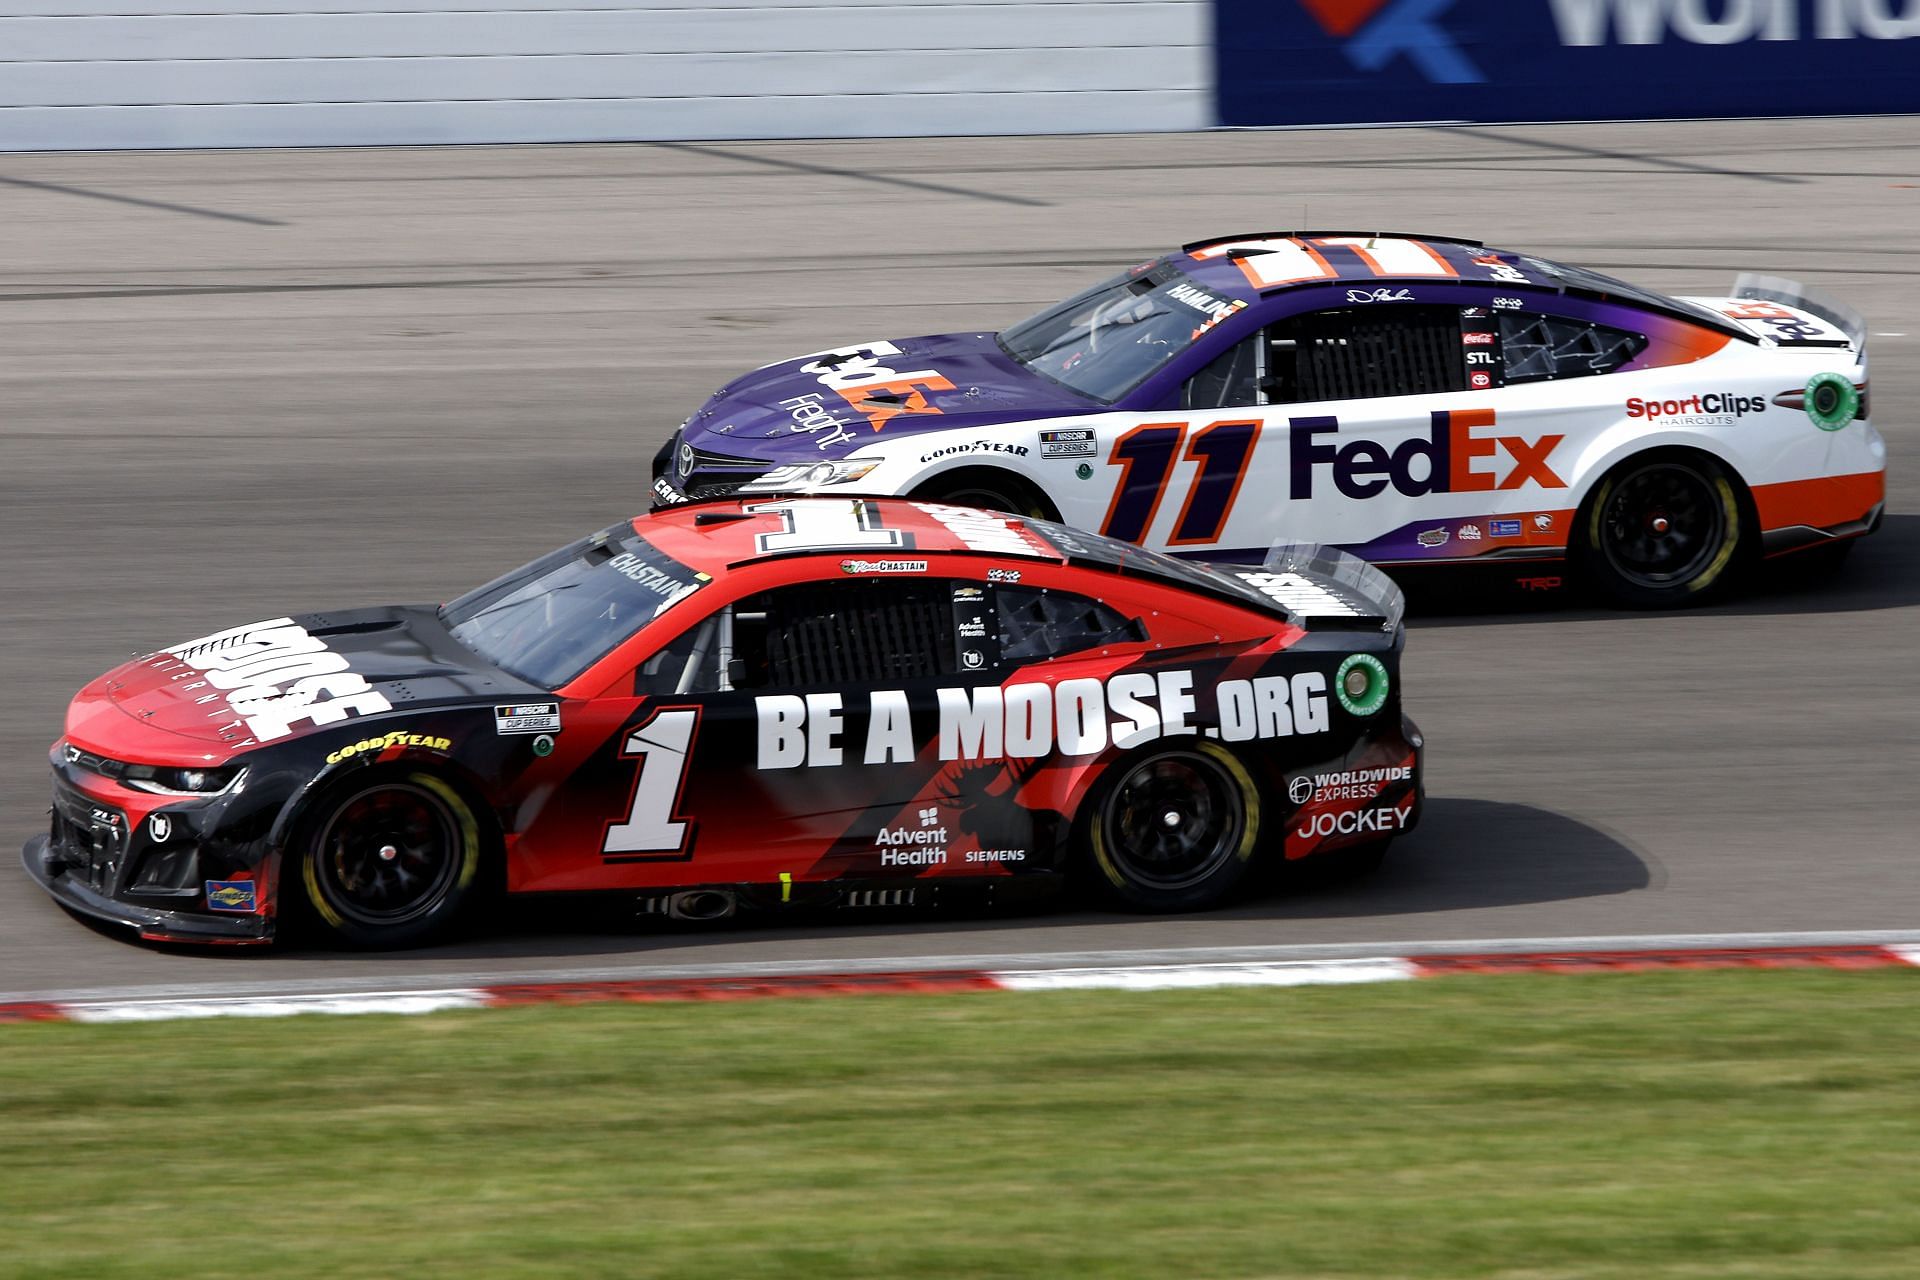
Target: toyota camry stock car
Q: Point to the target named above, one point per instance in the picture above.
(804, 701)
(1414, 400)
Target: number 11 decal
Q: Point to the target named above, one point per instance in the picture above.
(653, 827)
(1146, 456)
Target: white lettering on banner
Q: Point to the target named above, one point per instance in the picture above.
(1585, 23)
(1024, 721)
(982, 530)
(273, 675)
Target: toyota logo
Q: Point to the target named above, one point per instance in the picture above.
(686, 461)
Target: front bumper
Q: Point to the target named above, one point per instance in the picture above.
(59, 877)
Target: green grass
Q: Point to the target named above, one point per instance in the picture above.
(1723, 1125)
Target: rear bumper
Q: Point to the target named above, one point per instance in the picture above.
(155, 924)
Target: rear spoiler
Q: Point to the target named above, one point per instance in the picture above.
(1323, 589)
(1792, 293)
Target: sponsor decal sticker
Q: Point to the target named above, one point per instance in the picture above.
(1469, 533)
(1461, 452)
(812, 417)
(1346, 784)
(160, 828)
(238, 896)
(1432, 537)
(666, 493)
(883, 566)
(1352, 822)
(1361, 684)
(1075, 443)
(1538, 584)
(984, 530)
(1003, 575)
(975, 446)
(526, 717)
(543, 745)
(876, 391)
(398, 739)
(1699, 409)
(1480, 381)
(1023, 721)
(1504, 528)
(1543, 522)
(1832, 401)
(265, 677)
(1476, 339)
(1299, 595)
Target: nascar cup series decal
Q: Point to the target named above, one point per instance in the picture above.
(268, 677)
(1026, 721)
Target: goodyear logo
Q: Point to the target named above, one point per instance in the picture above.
(232, 895)
(421, 741)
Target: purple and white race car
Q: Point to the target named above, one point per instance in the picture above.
(1415, 400)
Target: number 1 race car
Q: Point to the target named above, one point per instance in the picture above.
(1413, 400)
(809, 701)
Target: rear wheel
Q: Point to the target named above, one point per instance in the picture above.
(1662, 532)
(390, 863)
(1175, 829)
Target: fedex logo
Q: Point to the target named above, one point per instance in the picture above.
(1462, 452)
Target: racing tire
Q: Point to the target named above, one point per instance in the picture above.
(391, 861)
(990, 490)
(1662, 531)
(1174, 829)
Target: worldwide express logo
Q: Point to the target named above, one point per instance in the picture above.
(1373, 32)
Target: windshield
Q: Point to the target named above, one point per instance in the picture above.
(1103, 343)
(550, 620)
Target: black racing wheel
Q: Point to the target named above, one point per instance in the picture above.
(1174, 830)
(391, 863)
(1661, 532)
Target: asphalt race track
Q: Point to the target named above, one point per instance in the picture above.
(234, 385)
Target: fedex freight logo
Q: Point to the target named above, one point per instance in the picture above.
(1462, 452)
(1374, 32)
(1583, 23)
(879, 393)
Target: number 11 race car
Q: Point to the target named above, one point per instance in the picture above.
(819, 701)
(1414, 400)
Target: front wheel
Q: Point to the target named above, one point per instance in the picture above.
(988, 489)
(1175, 829)
(392, 862)
(1661, 532)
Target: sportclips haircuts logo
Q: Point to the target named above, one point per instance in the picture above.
(1375, 32)
(1584, 23)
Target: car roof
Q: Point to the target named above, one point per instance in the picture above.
(1270, 262)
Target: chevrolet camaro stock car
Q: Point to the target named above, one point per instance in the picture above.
(825, 701)
(1414, 400)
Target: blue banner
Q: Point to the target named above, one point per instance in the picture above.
(1377, 61)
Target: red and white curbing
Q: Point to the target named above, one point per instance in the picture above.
(1120, 977)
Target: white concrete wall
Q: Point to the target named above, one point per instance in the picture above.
(96, 74)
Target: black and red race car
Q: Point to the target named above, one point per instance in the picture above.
(808, 701)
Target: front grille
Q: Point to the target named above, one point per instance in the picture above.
(717, 489)
(90, 837)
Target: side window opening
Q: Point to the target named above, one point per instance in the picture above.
(861, 631)
(1362, 352)
(1538, 347)
(1232, 380)
(1036, 623)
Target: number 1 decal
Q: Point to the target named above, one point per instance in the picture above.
(653, 827)
(1145, 456)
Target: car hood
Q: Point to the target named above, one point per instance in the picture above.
(275, 680)
(830, 403)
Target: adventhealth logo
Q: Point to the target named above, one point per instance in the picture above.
(1588, 22)
(1375, 31)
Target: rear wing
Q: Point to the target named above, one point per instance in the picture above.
(1791, 293)
(1323, 589)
